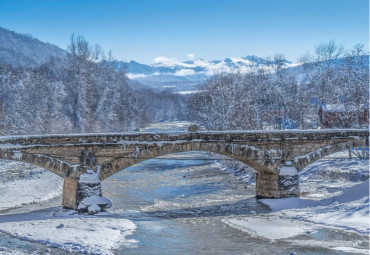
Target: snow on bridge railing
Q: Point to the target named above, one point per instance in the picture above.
(290, 131)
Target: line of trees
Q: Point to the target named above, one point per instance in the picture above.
(279, 98)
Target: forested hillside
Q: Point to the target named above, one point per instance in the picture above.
(76, 95)
(25, 50)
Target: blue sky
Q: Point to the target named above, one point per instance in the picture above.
(142, 30)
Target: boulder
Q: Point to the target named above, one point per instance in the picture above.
(193, 128)
(94, 204)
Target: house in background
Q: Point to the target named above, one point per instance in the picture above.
(344, 116)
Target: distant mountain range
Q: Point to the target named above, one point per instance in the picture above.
(25, 50)
(165, 73)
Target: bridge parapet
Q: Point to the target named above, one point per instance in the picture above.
(262, 137)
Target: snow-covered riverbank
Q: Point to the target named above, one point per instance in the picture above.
(25, 188)
(22, 184)
(335, 196)
(77, 233)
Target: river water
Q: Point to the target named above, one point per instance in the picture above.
(178, 206)
(179, 203)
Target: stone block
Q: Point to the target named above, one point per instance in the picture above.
(69, 199)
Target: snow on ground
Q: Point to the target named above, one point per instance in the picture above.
(332, 175)
(188, 92)
(22, 183)
(88, 235)
(349, 210)
(335, 194)
(270, 228)
(351, 250)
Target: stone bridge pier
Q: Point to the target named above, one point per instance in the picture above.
(279, 184)
(87, 159)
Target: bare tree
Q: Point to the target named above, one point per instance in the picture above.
(80, 48)
(321, 69)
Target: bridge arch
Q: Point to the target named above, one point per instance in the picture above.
(61, 168)
(249, 155)
(301, 162)
(178, 156)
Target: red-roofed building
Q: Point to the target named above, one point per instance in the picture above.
(343, 116)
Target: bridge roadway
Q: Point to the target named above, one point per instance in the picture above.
(277, 156)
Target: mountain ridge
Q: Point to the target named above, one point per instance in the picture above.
(25, 50)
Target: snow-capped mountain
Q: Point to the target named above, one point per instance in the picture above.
(25, 50)
(166, 72)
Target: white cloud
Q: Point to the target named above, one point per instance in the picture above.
(166, 61)
(184, 72)
(190, 56)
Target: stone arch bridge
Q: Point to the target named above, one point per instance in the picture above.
(275, 155)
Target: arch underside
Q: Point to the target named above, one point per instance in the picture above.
(266, 161)
(54, 165)
(300, 162)
(253, 158)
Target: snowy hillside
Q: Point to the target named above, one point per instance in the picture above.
(25, 50)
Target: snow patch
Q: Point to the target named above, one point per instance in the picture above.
(351, 250)
(17, 155)
(96, 235)
(90, 176)
(288, 170)
(271, 228)
(94, 204)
